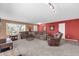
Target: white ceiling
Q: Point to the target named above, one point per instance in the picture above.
(38, 12)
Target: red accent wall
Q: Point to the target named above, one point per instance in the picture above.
(71, 28)
(40, 27)
(55, 27)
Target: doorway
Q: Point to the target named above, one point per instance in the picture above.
(62, 29)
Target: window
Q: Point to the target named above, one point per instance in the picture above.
(14, 29)
(44, 28)
(35, 28)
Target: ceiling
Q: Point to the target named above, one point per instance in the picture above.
(38, 12)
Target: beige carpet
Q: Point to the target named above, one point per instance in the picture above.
(40, 48)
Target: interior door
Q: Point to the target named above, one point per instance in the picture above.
(62, 29)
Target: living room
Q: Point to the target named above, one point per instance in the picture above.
(51, 29)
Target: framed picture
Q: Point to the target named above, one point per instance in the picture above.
(52, 28)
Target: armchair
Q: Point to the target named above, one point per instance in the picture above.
(55, 39)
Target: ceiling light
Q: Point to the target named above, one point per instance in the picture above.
(52, 6)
